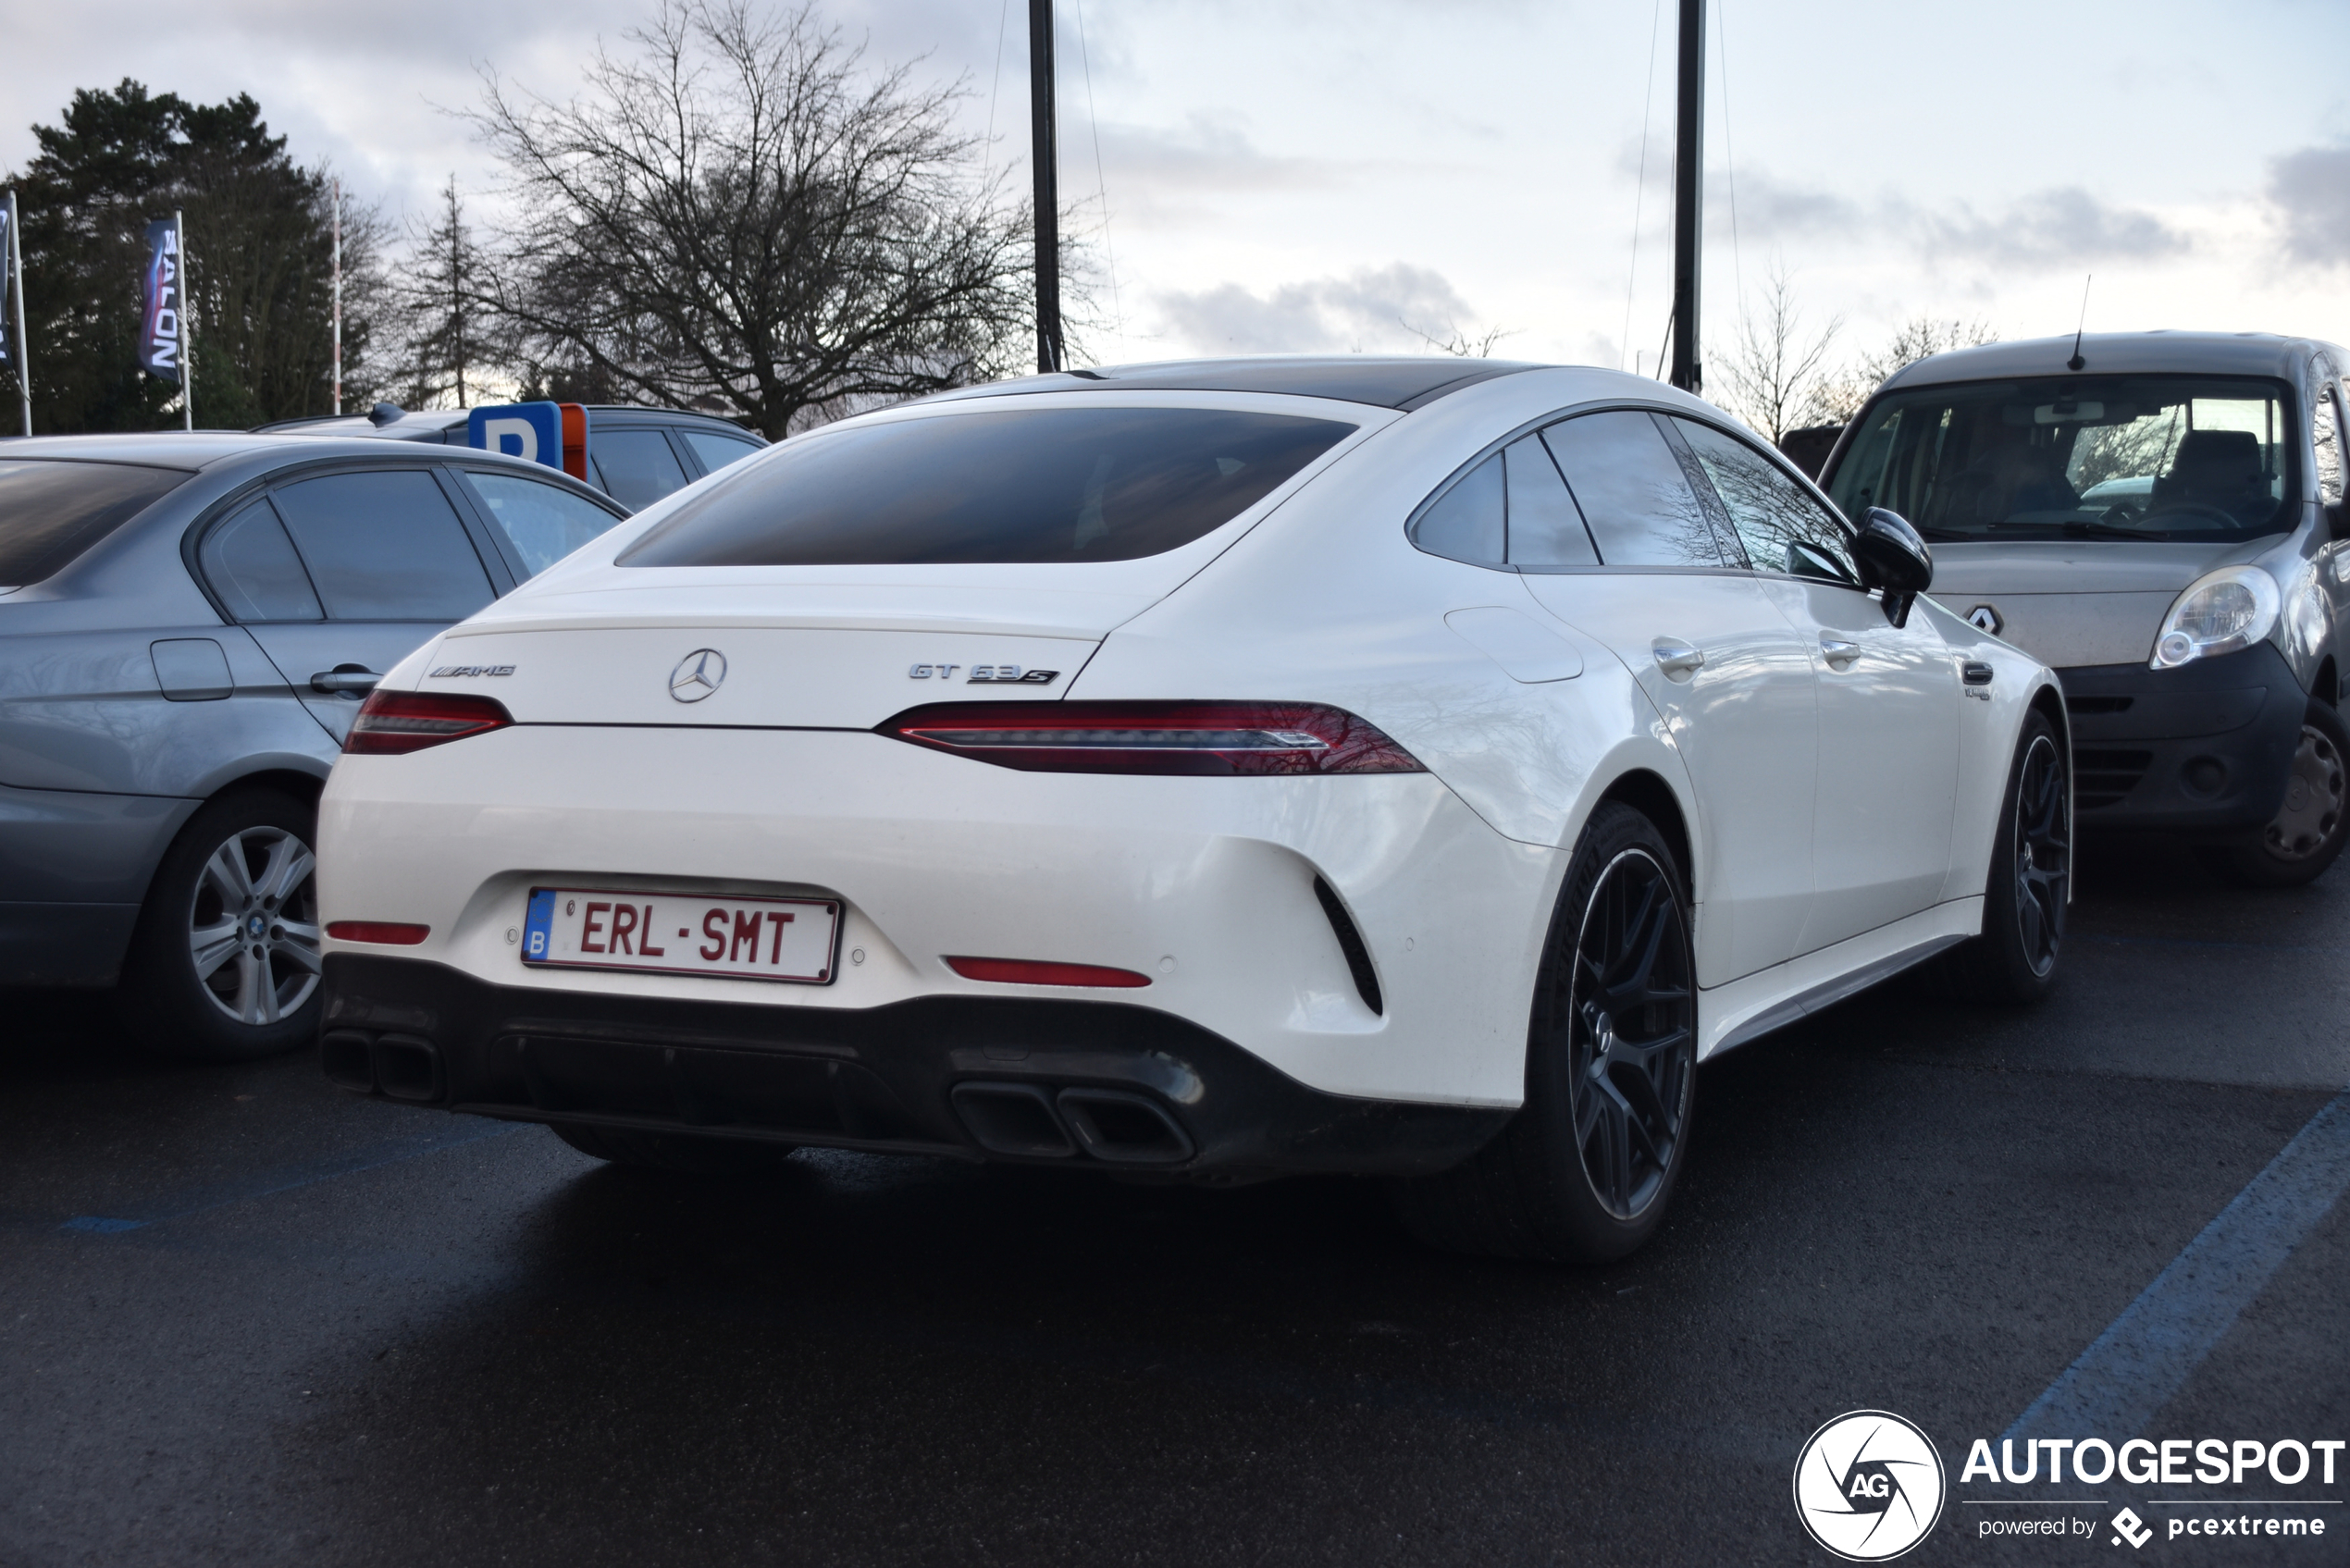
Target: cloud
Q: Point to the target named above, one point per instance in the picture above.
(2310, 191)
(2050, 229)
(1389, 305)
(1205, 155)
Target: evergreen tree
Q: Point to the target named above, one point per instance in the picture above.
(259, 250)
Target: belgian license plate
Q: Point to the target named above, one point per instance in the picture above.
(784, 939)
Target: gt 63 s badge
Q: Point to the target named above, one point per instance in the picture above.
(1869, 1486)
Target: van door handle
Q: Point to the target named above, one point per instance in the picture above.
(1839, 653)
(347, 680)
(1678, 659)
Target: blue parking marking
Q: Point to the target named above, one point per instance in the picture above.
(282, 1179)
(2146, 1355)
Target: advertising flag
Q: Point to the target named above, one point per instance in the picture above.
(162, 326)
(8, 211)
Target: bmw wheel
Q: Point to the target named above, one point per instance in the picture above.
(2302, 839)
(1583, 1172)
(225, 963)
(2029, 889)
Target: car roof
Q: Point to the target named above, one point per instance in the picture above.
(164, 448)
(438, 421)
(1384, 381)
(2111, 353)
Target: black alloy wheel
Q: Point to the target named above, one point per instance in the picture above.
(1585, 1168)
(2029, 884)
(1631, 1021)
(2043, 854)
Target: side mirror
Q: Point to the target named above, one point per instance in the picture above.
(1893, 558)
(2338, 521)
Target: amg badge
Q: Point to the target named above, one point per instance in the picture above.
(985, 675)
(447, 670)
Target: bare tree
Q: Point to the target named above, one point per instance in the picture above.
(1776, 373)
(438, 294)
(1914, 340)
(1458, 342)
(739, 214)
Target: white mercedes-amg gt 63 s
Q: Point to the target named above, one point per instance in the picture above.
(1206, 771)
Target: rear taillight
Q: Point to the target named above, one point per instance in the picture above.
(1155, 737)
(391, 723)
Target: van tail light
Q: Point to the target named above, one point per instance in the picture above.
(392, 724)
(1155, 737)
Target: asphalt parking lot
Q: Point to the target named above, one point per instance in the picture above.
(247, 1320)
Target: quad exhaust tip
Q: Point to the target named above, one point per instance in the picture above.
(1031, 1121)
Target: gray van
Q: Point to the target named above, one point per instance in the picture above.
(188, 625)
(2159, 517)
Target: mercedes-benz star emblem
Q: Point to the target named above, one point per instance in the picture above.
(698, 674)
(1985, 619)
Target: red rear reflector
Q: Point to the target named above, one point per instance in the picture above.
(390, 933)
(1155, 737)
(1028, 971)
(391, 723)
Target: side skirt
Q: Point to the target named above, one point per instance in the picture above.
(1755, 1005)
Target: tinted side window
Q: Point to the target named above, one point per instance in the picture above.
(1468, 522)
(637, 466)
(1783, 529)
(716, 451)
(1545, 528)
(1632, 492)
(52, 511)
(385, 545)
(544, 523)
(252, 565)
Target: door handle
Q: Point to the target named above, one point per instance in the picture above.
(348, 681)
(1837, 652)
(1678, 659)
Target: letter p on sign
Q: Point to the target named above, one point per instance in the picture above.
(533, 432)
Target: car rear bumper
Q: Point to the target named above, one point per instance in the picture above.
(2206, 748)
(1076, 1084)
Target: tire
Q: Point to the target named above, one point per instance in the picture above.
(2029, 887)
(681, 1152)
(2308, 831)
(1585, 1170)
(224, 962)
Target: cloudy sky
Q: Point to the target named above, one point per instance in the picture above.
(1290, 175)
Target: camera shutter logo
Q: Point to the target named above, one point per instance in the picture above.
(1869, 1486)
(698, 674)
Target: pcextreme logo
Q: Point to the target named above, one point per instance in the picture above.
(1869, 1486)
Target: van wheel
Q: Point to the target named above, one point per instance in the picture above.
(1584, 1170)
(683, 1152)
(224, 964)
(2030, 887)
(2305, 834)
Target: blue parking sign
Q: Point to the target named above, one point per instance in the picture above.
(531, 431)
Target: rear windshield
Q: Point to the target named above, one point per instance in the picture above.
(2086, 457)
(1026, 485)
(52, 510)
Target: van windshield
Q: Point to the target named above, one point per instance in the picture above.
(2123, 457)
(1029, 485)
(53, 509)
